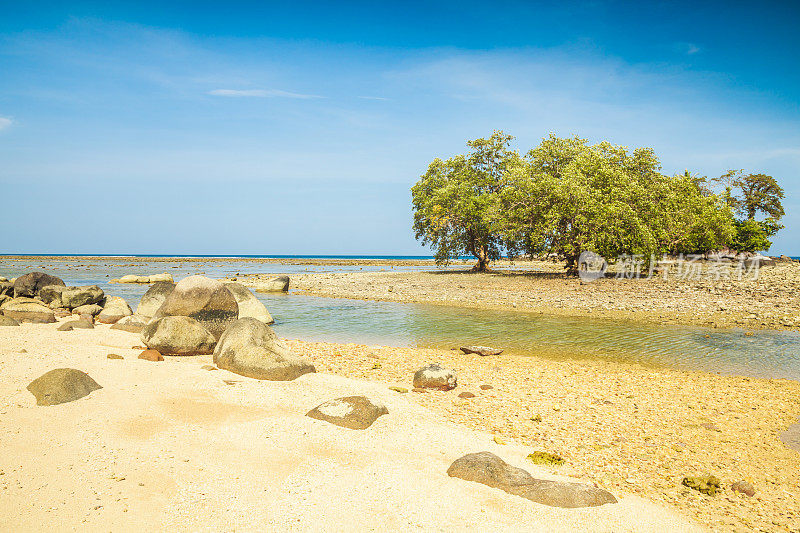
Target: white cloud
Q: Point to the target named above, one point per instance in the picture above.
(261, 93)
(4, 123)
(687, 48)
(373, 98)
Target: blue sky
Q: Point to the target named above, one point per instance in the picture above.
(281, 128)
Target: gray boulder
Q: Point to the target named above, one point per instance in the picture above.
(29, 285)
(250, 348)
(62, 385)
(206, 300)
(178, 335)
(435, 377)
(51, 295)
(75, 324)
(154, 298)
(114, 309)
(73, 297)
(276, 284)
(489, 469)
(353, 412)
(249, 305)
(8, 321)
(27, 310)
(134, 323)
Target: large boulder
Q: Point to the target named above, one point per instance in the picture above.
(154, 298)
(249, 305)
(51, 295)
(206, 300)
(353, 412)
(29, 285)
(73, 297)
(114, 309)
(489, 469)
(62, 385)
(178, 335)
(27, 310)
(250, 348)
(276, 284)
(91, 309)
(435, 377)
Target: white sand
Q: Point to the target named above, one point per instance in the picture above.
(169, 446)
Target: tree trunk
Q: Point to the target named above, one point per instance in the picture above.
(483, 259)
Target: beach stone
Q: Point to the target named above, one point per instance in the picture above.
(62, 385)
(114, 356)
(90, 309)
(250, 348)
(401, 390)
(8, 321)
(29, 285)
(151, 355)
(25, 309)
(114, 309)
(705, 484)
(160, 278)
(206, 300)
(133, 278)
(743, 487)
(6, 288)
(75, 324)
(481, 350)
(486, 387)
(73, 297)
(436, 377)
(209, 367)
(178, 335)
(276, 284)
(466, 395)
(249, 305)
(133, 323)
(154, 298)
(353, 412)
(51, 295)
(491, 470)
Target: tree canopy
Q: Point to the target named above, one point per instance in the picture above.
(566, 196)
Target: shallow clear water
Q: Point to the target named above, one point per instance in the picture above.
(774, 354)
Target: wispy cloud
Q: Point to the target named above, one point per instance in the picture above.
(5, 122)
(373, 98)
(261, 93)
(689, 49)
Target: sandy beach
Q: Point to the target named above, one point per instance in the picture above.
(171, 446)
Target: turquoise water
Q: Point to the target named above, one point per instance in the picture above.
(773, 354)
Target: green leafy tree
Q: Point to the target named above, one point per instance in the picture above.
(750, 195)
(454, 202)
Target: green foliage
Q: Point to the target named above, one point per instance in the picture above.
(566, 196)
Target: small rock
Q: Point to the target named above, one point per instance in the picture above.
(500, 440)
(743, 487)
(114, 356)
(486, 387)
(705, 484)
(209, 367)
(352, 412)
(151, 355)
(417, 389)
(435, 377)
(401, 390)
(75, 324)
(466, 395)
(709, 426)
(481, 350)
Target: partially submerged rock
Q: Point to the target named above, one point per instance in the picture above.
(250, 348)
(178, 335)
(481, 350)
(489, 469)
(705, 484)
(114, 309)
(29, 285)
(353, 412)
(62, 385)
(249, 306)
(206, 300)
(25, 309)
(276, 284)
(154, 298)
(435, 377)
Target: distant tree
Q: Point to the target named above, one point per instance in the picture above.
(455, 201)
(750, 195)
